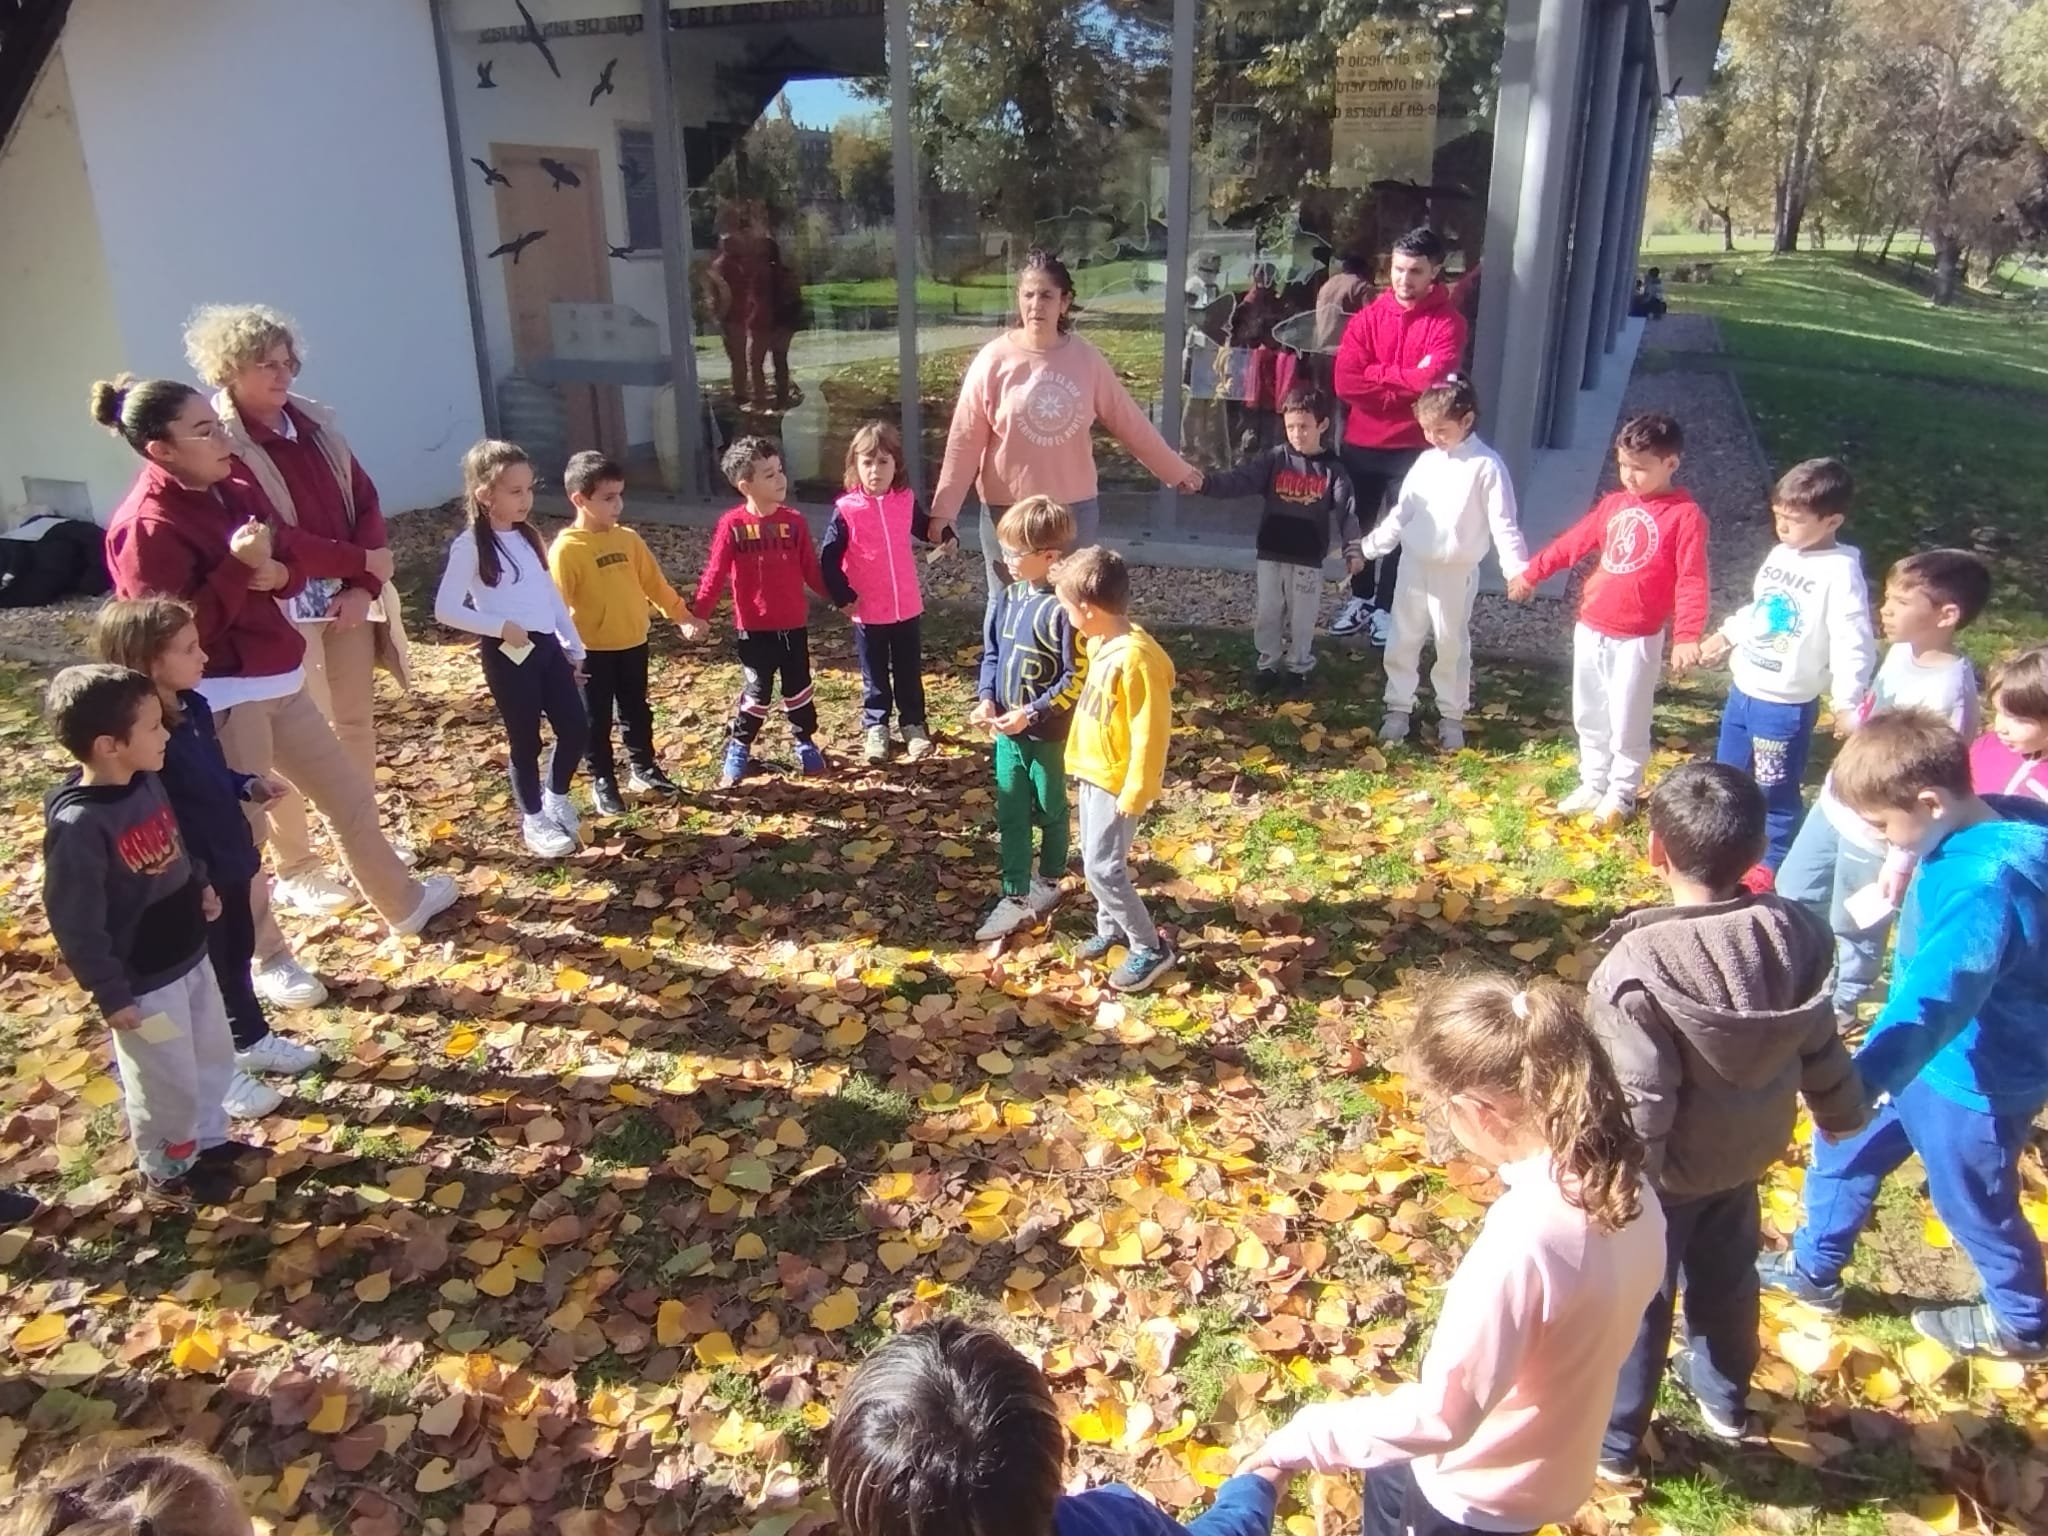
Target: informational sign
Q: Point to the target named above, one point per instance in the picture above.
(1383, 125)
(1234, 139)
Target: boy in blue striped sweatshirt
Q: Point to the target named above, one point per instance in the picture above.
(1031, 671)
(1958, 1059)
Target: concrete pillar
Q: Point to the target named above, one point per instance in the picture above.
(1589, 220)
(903, 189)
(1525, 221)
(1180, 173)
(1632, 219)
(1614, 268)
(697, 471)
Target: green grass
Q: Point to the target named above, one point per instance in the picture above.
(860, 1116)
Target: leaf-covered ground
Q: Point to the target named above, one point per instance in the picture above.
(617, 1170)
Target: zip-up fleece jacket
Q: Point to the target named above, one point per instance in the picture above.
(767, 562)
(1450, 504)
(1717, 1019)
(207, 795)
(122, 893)
(1653, 565)
(867, 556)
(1995, 769)
(1388, 357)
(1307, 501)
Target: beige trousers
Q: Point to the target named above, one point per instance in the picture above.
(341, 677)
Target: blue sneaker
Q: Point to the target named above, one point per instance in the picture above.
(1974, 1329)
(1141, 968)
(1098, 946)
(1780, 1272)
(810, 762)
(735, 769)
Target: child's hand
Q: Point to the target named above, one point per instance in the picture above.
(379, 563)
(513, 635)
(692, 629)
(577, 671)
(983, 714)
(1519, 590)
(264, 788)
(1714, 649)
(209, 903)
(1016, 721)
(1278, 1477)
(1355, 564)
(250, 543)
(1192, 484)
(1685, 656)
(125, 1018)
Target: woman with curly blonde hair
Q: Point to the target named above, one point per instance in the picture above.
(294, 451)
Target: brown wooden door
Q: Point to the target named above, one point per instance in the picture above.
(572, 262)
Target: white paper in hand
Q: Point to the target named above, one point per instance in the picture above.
(1867, 907)
(516, 653)
(157, 1029)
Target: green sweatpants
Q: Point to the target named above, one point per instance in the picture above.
(1031, 790)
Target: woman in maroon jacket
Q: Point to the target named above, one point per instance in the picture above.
(293, 450)
(194, 526)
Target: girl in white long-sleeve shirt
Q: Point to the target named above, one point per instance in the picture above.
(1502, 1432)
(1456, 498)
(497, 586)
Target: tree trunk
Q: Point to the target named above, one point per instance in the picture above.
(1948, 256)
(1727, 218)
(1884, 252)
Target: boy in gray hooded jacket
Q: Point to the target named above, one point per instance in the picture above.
(1715, 1012)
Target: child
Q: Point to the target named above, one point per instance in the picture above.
(171, 1489)
(762, 550)
(1652, 539)
(946, 1429)
(1957, 1063)
(870, 568)
(1030, 678)
(1456, 495)
(1307, 501)
(1501, 1433)
(128, 908)
(1808, 624)
(2008, 758)
(157, 637)
(497, 586)
(1117, 749)
(1835, 856)
(1714, 1012)
(609, 579)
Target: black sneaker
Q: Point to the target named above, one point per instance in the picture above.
(1294, 684)
(650, 780)
(605, 799)
(17, 1206)
(1265, 680)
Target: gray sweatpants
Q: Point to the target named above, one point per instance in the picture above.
(1290, 598)
(174, 1084)
(1106, 862)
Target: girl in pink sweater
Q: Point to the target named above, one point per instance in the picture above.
(1501, 1433)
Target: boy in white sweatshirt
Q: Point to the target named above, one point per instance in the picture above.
(1807, 627)
(1457, 495)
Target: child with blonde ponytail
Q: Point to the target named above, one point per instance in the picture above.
(1501, 1433)
(104, 1489)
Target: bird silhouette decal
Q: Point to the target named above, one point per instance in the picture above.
(560, 174)
(484, 82)
(493, 177)
(621, 252)
(531, 33)
(604, 85)
(634, 173)
(519, 243)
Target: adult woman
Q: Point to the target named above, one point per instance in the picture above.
(193, 527)
(294, 452)
(1022, 422)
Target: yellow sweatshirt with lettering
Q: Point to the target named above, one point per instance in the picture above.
(610, 579)
(1123, 719)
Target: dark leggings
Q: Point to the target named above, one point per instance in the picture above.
(891, 672)
(543, 684)
(1376, 474)
(231, 945)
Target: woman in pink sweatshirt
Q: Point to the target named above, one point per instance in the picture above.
(1501, 1433)
(1021, 426)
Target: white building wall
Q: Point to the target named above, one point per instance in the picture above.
(291, 154)
(57, 329)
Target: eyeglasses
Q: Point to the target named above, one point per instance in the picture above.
(278, 367)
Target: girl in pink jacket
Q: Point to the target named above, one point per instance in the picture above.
(2012, 757)
(871, 571)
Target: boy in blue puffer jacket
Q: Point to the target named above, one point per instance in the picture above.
(1957, 1063)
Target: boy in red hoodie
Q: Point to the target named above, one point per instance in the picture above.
(1403, 342)
(1652, 539)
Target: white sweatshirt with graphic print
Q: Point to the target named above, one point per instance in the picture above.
(1806, 628)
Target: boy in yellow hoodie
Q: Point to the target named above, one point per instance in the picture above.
(610, 579)
(1117, 749)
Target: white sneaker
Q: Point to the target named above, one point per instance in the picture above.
(1615, 807)
(1379, 627)
(1043, 896)
(1010, 914)
(918, 743)
(284, 983)
(547, 837)
(277, 1055)
(1395, 727)
(561, 810)
(437, 894)
(1351, 617)
(1581, 800)
(1450, 735)
(317, 895)
(247, 1099)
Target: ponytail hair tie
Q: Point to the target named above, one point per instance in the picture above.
(1519, 1006)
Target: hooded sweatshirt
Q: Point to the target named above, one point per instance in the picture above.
(1451, 503)
(1307, 501)
(1716, 1019)
(1388, 357)
(1652, 570)
(1968, 1010)
(1123, 719)
(122, 893)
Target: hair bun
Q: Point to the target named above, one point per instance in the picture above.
(107, 399)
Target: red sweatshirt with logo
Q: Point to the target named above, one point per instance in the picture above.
(767, 562)
(1652, 570)
(1388, 357)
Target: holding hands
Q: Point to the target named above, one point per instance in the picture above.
(691, 628)
(1685, 655)
(1519, 589)
(1714, 649)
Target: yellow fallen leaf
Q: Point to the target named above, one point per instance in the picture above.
(1126, 1252)
(995, 1063)
(374, 1287)
(748, 1245)
(896, 1257)
(1934, 1234)
(714, 1350)
(1941, 1511)
(332, 1416)
(99, 1092)
(522, 1435)
(441, 1420)
(668, 1324)
(1084, 1235)
(1926, 1361)
(435, 1476)
(569, 979)
(198, 1351)
(408, 1184)
(1100, 1425)
(41, 1333)
(461, 1041)
(1811, 1354)
(498, 1280)
(1999, 1375)
(839, 1310)
(1251, 1254)
(448, 1196)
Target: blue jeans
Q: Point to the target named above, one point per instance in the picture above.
(1770, 743)
(1972, 1161)
(1087, 519)
(1823, 870)
(891, 672)
(1711, 1244)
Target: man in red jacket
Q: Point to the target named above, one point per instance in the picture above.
(1396, 347)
